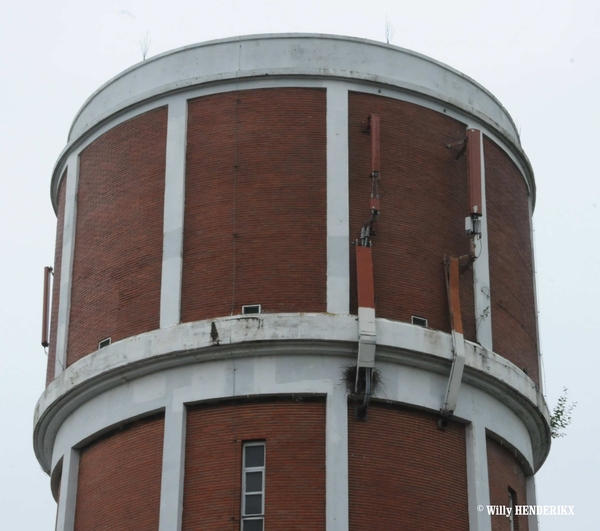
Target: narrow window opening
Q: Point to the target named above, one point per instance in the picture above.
(104, 343)
(512, 503)
(419, 321)
(251, 308)
(253, 486)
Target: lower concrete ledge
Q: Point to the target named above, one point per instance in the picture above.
(400, 344)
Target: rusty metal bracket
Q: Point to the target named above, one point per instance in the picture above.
(451, 269)
(457, 143)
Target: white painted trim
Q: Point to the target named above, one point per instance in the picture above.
(295, 369)
(456, 373)
(318, 81)
(293, 54)
(338, 210)
(66, 265)
(175, 344)
(173, 468)
(336, 452)
(530, 492)
(65, 520)
(535, 300)
(172, 263)
(402, 350)
(478, 484)
(481, 271)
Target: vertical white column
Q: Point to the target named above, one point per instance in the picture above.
(170, 292)
(481, 272)
(535, 301)
(531, 500)
(66, 264)
(477, 477)
(338, 211)
(336, 461)
(65, 520)
(171, 490)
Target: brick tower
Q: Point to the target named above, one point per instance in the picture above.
(293, 290)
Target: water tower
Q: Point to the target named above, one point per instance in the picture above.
(293, 290)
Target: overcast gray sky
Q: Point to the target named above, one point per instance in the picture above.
(539, 57)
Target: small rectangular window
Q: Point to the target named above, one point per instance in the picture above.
(104, 343)
(251, 308)
(419, 321)
(253, 486)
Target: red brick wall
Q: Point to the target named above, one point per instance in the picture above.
(60, 223)
(511, 266)
(504, 471)
(255, 218)
(119, 479)
(423, 208)
(119, 233)
(294, 433)
(405, 473)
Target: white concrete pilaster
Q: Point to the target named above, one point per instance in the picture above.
(535, 299)
(170, 292)
(338, 210)
(477, 478)
(173, 467)
(336, 451)
(481, 272)
(66, 265)
(532, 519)
(65, 520)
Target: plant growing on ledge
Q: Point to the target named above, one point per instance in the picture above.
(561, 415)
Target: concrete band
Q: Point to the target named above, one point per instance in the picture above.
(291, 54)
(280, 58)
(400, 347)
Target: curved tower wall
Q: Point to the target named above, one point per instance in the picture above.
(237, 173)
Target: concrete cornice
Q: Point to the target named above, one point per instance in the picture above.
(287, 334)
(307, 56)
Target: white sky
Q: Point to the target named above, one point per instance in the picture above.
(539, 57)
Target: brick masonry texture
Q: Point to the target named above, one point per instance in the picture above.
(119, 232)
(423, 207)
(405, 473)
(504, 472)
(60, 223)
(119, 479)
(294, 433)
(511, 264)
(255, 217)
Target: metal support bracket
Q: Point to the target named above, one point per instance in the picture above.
(367, 334)
(458, 342)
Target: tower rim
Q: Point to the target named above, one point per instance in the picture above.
(292, 56)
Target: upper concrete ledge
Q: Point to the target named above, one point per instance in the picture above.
(292, 55)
